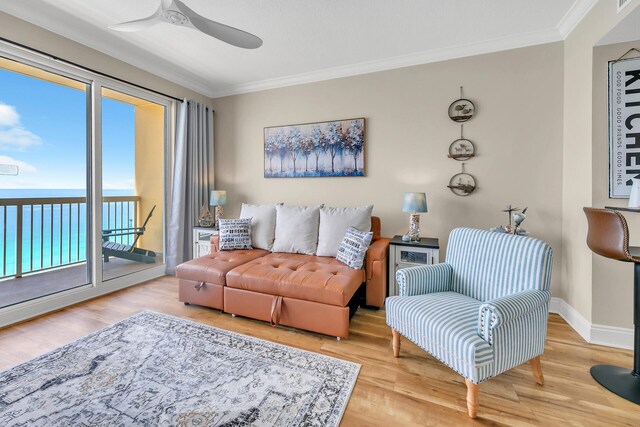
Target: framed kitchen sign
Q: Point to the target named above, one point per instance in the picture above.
(624, 126)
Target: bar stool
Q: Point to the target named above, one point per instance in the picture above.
(608, 236)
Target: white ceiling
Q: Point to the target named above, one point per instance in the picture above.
(304, 40)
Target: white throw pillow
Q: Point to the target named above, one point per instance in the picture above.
(263, 224)
(354, 247)
(297, 229)
(334, 223)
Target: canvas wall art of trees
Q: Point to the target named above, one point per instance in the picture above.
(322, 149)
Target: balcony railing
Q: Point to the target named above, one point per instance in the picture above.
(43, 233)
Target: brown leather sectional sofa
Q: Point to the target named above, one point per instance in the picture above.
(303, 291)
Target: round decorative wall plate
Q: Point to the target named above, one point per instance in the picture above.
(461, 110)
(462, 149)
(462, 184)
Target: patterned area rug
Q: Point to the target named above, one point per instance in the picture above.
(157, 370)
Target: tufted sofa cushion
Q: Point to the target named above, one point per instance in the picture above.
(320, 279)
(213, 268)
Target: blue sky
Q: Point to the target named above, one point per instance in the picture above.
(43, 131)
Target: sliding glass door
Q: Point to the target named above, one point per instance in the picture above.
(82, 183)
(133, 141)
(44, 182)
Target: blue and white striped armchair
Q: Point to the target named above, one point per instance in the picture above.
(483, 311)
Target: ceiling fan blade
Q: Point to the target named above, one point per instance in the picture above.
(222, 32)
(139, 24)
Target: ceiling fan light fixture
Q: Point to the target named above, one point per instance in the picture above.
(174, 17)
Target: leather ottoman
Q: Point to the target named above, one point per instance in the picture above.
(302, 291)
(202, 279)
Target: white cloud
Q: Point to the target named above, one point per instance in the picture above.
(18, 138)
(23, 167)
(8, 115)
(13, 136)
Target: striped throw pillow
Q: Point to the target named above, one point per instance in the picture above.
(354, 247)
(234, 234)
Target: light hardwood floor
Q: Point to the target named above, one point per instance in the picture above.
(413, 390)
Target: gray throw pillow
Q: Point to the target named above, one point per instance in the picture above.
(354, 247)
(235, 234)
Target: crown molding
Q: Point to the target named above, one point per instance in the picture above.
(574, 15)
(419, 58)
(175, 74)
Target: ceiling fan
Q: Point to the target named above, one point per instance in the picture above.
(177, 13)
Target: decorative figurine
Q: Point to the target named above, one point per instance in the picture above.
(465, 189)
(515, 218)
(462, 184)
(509, 211)
(461, 109)
(206, 219)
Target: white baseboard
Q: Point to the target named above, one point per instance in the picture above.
(610, 336)
(572, 316)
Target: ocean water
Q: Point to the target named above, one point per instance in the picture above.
(54, 234)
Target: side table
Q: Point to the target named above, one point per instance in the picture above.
(410, 254)
(202, 240)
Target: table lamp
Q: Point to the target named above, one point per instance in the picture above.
(415, 204)
(218, 199)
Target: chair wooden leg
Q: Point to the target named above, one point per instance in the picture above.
(472, 398)
(537, 370)
(396, 343)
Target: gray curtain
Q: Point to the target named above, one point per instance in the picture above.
(192, 178)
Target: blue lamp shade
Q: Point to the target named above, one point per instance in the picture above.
(414, 203)
(218, 198)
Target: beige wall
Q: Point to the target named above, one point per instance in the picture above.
(149, 173)
(583, 272)
(517, 131)
(612, 280)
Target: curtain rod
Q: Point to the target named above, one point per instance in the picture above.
(82, 67)
(204, 105)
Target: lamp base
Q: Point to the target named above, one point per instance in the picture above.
(218, 213)
(414, 227)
